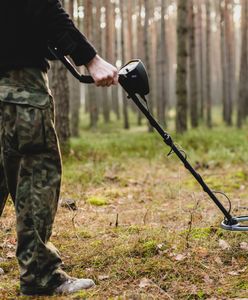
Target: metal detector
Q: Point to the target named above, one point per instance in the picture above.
(134, 80)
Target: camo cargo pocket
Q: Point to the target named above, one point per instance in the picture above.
(35, 128)
(30, 129)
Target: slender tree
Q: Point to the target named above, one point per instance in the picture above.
(162, 67)
(243, 87)
(200, 65)
(123, 56)
(192, 69)
(74, 88)
(60, 89)
(90, 31)
(181, 86)
(208, 65)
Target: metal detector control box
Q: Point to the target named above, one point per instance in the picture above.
(133, 78)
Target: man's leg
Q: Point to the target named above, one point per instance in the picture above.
(34, 183)
(3, 185)
(32, 166)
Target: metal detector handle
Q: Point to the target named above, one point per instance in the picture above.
(70, 67)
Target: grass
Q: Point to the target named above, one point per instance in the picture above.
(143, 228)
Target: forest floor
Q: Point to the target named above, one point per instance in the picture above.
(143, 229)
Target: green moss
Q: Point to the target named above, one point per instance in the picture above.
(84, 234)
(198, 233)
(243, 285)
(97, 201)
(150, 247)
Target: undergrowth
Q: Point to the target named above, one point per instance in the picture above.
(143, 228)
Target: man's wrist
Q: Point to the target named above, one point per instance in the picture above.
(94, 60)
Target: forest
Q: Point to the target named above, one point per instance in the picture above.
(131, 216)
(195, 53)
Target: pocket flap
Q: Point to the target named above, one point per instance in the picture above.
(21, 96)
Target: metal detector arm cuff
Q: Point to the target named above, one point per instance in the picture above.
(70, 67)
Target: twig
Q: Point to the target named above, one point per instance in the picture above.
(145, 216)
(117, 220)
(73, 223)
(190, 223)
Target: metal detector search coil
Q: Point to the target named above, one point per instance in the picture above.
(133, 78)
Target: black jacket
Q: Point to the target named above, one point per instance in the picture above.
(26, 28)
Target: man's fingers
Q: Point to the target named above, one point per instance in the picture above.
(106, 79)
(103, 73)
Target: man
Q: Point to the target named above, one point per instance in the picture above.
(30, 165)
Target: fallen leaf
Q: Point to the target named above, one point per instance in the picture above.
(144, 282)
(202, 252)
(224, 245)
(103, 277)
(242, 270)
(218, 260)
(10, 255)
(234, 262)
(244, 246)
(233, 273)
(207, 279)
(160, 246)
(180, 257)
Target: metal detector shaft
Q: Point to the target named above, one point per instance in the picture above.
(133, 78)
(168, 140)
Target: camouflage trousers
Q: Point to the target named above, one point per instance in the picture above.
(30, 171)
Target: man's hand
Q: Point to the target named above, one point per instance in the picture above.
(103, 73)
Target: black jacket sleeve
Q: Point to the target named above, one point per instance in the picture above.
(60, 30)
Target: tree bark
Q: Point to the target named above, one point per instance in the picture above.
(243, 87)
(123, 54)
(181, 85)
(192, 69)
(162, 68)
(208, 66)
(60, 90)
(75, 93)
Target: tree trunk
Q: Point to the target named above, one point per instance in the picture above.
(192, 69)
(200, 60)
(140, 50)
(60, 90)
(208, 66)
(162, 68)
(243, 87)
(229, 61)
(115, 98)
(125, 103)
(107, 48)
(90, 30)
(75, 93)
(181, 85)
(148, 49)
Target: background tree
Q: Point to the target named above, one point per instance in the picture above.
(60, 90)
(181, 86)
(243, 87)
(74, 85)
(208, 65)
(192, 70)
(162, 66)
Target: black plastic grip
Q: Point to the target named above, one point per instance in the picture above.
(70, 67)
